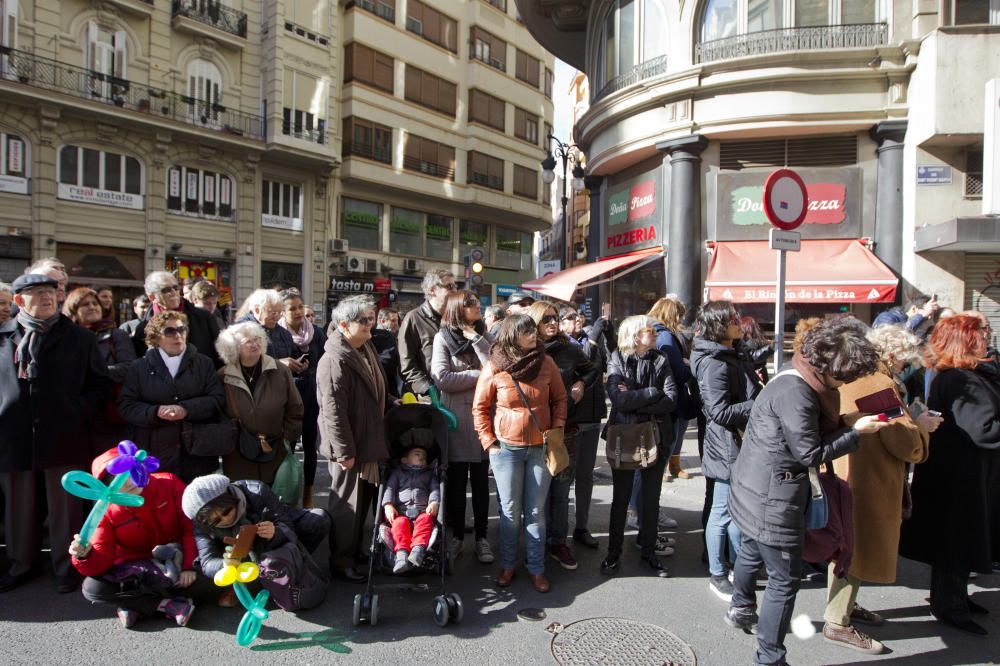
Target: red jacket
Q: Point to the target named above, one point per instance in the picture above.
(131, 533)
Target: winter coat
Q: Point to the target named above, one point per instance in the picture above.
(769, 482)
(875, 473)
(117, 351)
(727, 392)
(650, 394)
(126, 534)
(196, 388)
(203, 330)
(274, 410)
(456, 378)
(416, 346)
(956, 492)
(574, 366)
(593, 407)
(45, 422)
(758, 354)
(388, 355)
(672, 347)
(512, 423)
(410, 489)
(351, 423)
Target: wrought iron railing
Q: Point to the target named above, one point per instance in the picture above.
(858, 35)
(380, 9)
(315, 134)
(40, 72)
(429, 168)
(213, 13)
(644, 70)
(379, 153)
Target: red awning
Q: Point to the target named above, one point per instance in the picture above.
(562, 285)
(824, 271)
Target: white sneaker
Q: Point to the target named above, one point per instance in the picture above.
(633, 519)
(483, 551)
(666, 522)
(455, 547)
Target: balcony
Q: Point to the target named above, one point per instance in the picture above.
(46, 74)
(379, 153)
(383, 10)
(193, 14)
(859, 35)
(430, 168)
(644, 70)
(315, 135)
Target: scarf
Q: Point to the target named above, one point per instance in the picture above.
(26, 354)
(829, 398)
(302, 338)
(173, 363)
(369, 470)
(101, 325)
(523, 368)
(457, 343)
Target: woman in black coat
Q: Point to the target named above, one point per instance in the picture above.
(578, 374)
(172, 384)
(641, 388)
(794, 426)
(955, 525)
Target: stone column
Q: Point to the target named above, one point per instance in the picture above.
(683, 258)
(889, 198)
(594, 237)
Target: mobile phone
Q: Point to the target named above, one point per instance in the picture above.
(891, 414)
(303, 358)
(933, 412)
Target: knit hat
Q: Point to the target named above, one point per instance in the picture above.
(201, 491)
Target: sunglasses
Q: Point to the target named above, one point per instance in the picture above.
(549, 319)
(365, 321)
(171, 331)
(451, 286)
(571, 317)
(471, 303)
(169, 290)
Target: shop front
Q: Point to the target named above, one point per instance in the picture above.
(342, 286)
(121, 269)
(218, 272)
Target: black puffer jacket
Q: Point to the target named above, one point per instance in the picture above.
(650, 393)
(196, 388)
(593, 408)
(769, 486)
(574, 366)
(727, 393)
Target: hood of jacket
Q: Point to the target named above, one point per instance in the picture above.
(703, 348)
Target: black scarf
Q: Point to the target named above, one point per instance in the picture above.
(458, 344)
(26, 355)
(523, 368)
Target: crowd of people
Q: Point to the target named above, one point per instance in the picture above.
(903, 417)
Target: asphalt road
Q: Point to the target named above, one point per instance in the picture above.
(38, 626)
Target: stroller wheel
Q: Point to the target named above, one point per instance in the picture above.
(456, 607)
(356, 616)
(441, 612)
(373, 611)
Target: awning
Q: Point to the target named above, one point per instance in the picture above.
(562, 285)
(824, 271)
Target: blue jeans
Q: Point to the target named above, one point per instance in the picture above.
(522, 488)
(720, 524)
(557, 511)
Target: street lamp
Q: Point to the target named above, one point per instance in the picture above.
(566, 152)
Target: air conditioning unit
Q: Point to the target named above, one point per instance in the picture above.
(411, 265)
(339, 246)
(354, 264)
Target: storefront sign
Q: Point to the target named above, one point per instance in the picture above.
(405, 226)
(549, 267)
(844, 293)
(505, 290)
(356, 218)
(633, 217)
(826, 204)
(439, 232)
(13, 185)
(93, 195)
(353, 285)
(279, 222)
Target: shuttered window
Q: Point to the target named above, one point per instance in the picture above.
(525, 125)
(429, 157)
(428, 90)
(527, 68)
(432, 25)
(488, 48)
(487, 109)
(485, 170)
(367, 65)
(820, 151)
(526, 182)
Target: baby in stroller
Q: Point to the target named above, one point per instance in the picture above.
(411, 500)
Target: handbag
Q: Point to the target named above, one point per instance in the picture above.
(255, 447)
(630, 446)
(556, 455)
(289, 480)
(210, 439)
(817, 512)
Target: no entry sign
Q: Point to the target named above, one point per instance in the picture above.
(785, 199)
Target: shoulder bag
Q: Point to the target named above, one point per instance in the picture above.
(255, 447)
(556, 455)
(630, 446)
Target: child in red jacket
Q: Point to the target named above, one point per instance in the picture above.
(142, 558)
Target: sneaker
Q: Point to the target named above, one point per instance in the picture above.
(455, 547)
(483, 551)
(564, 556)
(401, 564)
(609, 567)
(865, 616)
(127, 617)
(664, 546)
(852, 638)
(729, 576)
(721, 586)
(179, 610)
(666, 523)
(632, 519)
(742, 617)
(417, 556)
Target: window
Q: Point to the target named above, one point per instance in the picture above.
(281, 205)
(439, 237)
(430, 91)
(200, 193)
(117, 179)
(513, 249)
(836, 150)
(14, 163)
(977, 11)
(485, 170)
(106, 55)
(525, 125)
(384, 9)
(728, 18)
(204, 92)
(526, 68)
(368, 66)
(499, 4)
(406, 232)
(487, 109)
(974, 173)
(313, 15)
(362, 224)
(8, 30)
(364, 138)
(549, 80)
(525, 182)
(429, 157)
(432, 25)
(488, 49)
(304, 108)
(279, 275)
(473, 234)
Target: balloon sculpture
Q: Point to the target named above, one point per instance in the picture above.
(238, 575)
(131, 463)
(448, 414)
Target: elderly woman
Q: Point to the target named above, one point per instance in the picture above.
(85, 310)
(876, 472)
(955, 526)
(265, 307)
(352, 401)
(461, 348)
(171, 384)
(262, 395)
(520, 395)
(794, 426)
(310, 341)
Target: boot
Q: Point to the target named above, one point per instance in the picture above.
(675, 468)
(307, 498)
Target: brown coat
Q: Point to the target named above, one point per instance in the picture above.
(875, 473)
(275, 410)
(512, 422)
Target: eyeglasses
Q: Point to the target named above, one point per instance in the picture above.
(549, 319)
(451, 286)
(171, 331)
(571, 317)
(471, 303)
(169, 289)
(365, 321)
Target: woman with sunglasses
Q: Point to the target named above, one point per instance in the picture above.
(172, 384)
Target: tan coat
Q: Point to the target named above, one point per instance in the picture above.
(875, 473)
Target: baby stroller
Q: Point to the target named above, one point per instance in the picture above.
(447, 607)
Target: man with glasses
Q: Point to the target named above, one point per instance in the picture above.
(519, 302)
(416, 335)
(165, 294)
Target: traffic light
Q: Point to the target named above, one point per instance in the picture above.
(474, 265)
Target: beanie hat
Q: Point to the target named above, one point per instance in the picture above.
(201, 491)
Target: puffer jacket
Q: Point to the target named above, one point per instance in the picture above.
(650, 394)
(574, 366)
(769, 484)
(512, 422)
(410, 489)
(727, 393)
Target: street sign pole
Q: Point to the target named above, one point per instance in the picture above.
(779, 312)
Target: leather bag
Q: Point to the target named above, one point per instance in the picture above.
(632, 446)
(556, 454)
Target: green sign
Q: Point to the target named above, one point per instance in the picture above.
(439, 232)
(358, 219)
(748, 206)
(509, 245)
(472, 238)
(401, 225)
(618, 208)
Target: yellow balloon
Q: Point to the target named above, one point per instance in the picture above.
(225, 576)
(409, 398)
(248, 572)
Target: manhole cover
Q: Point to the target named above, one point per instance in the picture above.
(613, 640)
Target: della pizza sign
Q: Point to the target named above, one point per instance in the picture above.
(633, 219)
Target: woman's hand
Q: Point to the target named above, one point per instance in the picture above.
(576, 391)
(186, 579)
(265, 529)
(493, 449)
(171, 412)
(928, 421)
(294, 365)
(78, 550)
(866, 425)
